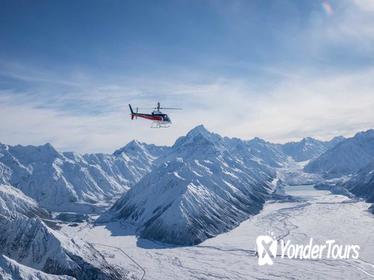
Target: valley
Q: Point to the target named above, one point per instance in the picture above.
(232, 255)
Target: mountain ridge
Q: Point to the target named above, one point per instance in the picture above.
(27, 240)
(70, 181)
(204, 186)
(345, 158)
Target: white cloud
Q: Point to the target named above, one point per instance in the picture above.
(320, 103)
(352, 25)
(366, 5)
(317, 106)
(301, 106)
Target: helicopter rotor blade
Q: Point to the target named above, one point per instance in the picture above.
(157, 108)
(170, 108)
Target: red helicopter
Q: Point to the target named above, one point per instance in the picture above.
(159, 119)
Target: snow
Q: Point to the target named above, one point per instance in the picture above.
(309, 148)
(205, 167)
(231, 255)
(74, 182)
(26, 238)
(11, 270)
(265, 152)
(345, 158)
(292, 173)
(178, 176)
(362, 183)
(13, 201)
(188, 199)
(213, 192)
(89, 183)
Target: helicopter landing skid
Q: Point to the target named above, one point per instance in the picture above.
(160, 125)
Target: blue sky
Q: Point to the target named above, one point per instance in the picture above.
(277, 69)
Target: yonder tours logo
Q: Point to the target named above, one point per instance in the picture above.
(268, 245)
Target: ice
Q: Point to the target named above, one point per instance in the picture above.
(231, 255)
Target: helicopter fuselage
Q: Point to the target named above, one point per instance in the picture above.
(154, 116)
(159, 119)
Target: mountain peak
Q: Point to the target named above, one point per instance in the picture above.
(309, 139)
(199, 139)
(134, 143)
(337, 138)
(368, 133)
(48, 147)
(257, 140)
(131, 146)
(345, 158)
(200, 129)
(42, 152)
(305, 149)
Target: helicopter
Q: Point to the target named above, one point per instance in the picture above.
(159, 119)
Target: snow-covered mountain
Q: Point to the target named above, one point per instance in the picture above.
(11, 270)
(74, 182)
(25, 238)
(204, 186)
(267, 153)
(334, 141)
(309, 148)
(141, 152)
(346, 158)
(13, 201)
(362, 183)
(305, 149)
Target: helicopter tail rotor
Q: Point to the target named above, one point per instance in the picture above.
(132, 112)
